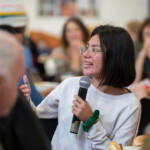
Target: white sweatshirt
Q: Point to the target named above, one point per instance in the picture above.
(119, 117)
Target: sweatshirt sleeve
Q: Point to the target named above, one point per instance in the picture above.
(124, 131)
(48, 108)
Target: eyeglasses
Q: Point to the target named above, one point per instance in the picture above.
(147, 34)
(92, 49)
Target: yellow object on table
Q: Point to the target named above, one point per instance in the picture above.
(139, 140)
(114, 146)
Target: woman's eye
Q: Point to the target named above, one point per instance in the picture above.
(94, 50)
(86, 47)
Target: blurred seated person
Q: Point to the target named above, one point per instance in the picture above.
(16, 24)
(141, 86)
(143, 60)
(19, 127)
(66, 59)
(142, 80)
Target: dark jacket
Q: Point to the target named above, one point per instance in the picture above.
(21, 130)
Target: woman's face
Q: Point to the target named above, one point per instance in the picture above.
(146, 33)
(73, 32)
(93, 62)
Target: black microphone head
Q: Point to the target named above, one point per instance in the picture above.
(85, 82)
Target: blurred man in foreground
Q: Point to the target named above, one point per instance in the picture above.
(19, 127)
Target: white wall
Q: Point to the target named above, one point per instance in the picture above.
(117, 12)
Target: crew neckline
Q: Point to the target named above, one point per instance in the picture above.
(105, 95)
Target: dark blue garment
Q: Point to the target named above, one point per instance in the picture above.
(146, 70)
(35, 95)
(27, 57)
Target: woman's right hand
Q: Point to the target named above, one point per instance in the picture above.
(25, 88)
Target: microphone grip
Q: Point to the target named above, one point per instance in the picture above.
(76, 121)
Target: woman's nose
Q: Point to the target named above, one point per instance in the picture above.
(87, 53)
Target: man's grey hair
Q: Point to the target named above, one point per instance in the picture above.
(8, 51)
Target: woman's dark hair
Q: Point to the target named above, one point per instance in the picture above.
(83, 28)
(119, 58)
(146, 23)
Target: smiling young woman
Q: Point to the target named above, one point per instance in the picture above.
(108, 59)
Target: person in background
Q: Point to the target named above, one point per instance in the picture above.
(133, 29)
(19, 127)
(111, 67)
(141, 83)
(13, 19)
(141, 86)
(66, 59)
(143, 60)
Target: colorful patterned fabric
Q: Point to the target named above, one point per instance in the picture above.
(12, 13)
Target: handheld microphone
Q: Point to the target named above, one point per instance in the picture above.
(84, 83)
